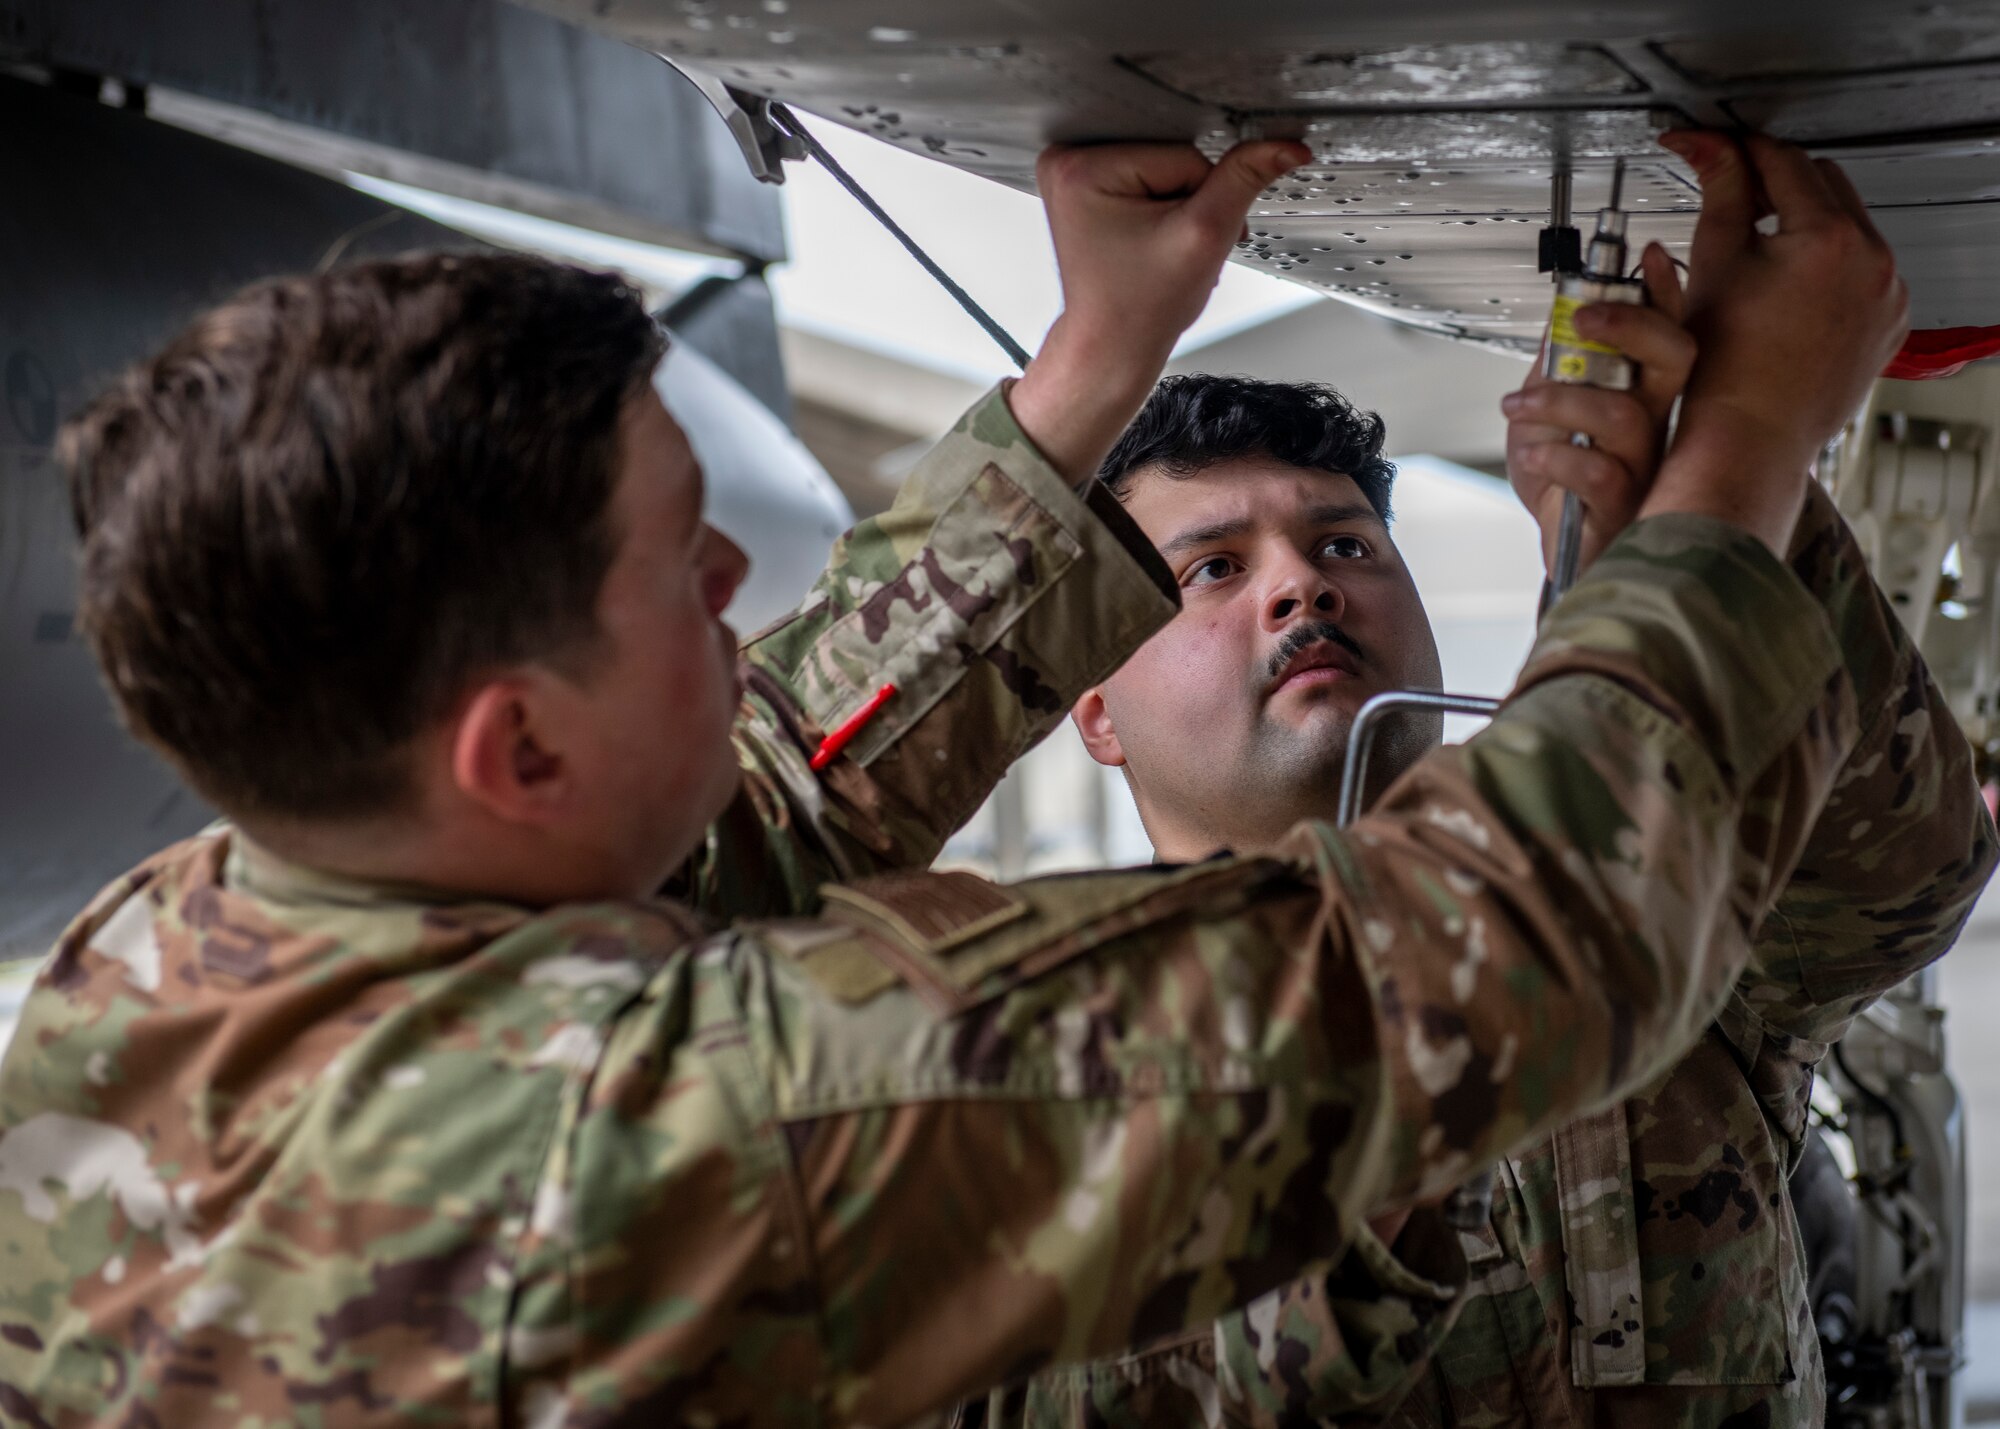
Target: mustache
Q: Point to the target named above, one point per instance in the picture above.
(1300, 636)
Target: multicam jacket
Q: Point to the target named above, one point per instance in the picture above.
(279, 1148)
(1642, 1268)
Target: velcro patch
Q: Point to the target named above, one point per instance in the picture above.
(914, 921)
(939, 910)
(957, 940)
(848, 964)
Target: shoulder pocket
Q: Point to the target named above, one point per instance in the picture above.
(987, 557)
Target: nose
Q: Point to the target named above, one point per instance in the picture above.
(723, 571)
(1300, 589)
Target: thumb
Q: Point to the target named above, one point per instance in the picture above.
(1241, 174)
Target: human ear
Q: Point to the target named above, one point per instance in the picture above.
(502, 755)
(1093, 722)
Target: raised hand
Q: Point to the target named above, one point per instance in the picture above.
(1141, 232)
(1792, 328)
(1627, 430)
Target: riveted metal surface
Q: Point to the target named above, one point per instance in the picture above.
(1438, 121)
(1453, 136)
(1525, 73)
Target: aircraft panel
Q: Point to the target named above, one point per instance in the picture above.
(1519, 73)
(1440, 124)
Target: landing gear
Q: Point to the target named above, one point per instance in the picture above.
(1880, 1197)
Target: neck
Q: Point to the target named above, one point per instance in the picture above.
(408, 851)
(1188, 835)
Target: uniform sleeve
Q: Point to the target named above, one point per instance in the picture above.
(1904, 845)
(956, 1133)
(990, 595)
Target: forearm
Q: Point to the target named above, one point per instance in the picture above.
(1250, 1056)
(1080, 393)
(1688, 669)
(1725, 467)
(1904, 844)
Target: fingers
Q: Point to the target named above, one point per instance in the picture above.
(1728, 196)
(1122, 170)
(1646, 335)
(1792, 182)
(1610, 493)
(1215, 195)
(1619, 425)
(1662, 348)
(1663, 282)
(1244, 172)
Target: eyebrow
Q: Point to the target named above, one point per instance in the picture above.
(1331, 514)
(1202, 535)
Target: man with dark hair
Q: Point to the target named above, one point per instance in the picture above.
(1642, 1267)
(1237, 479)
(399, 1097)
(481, 397)
(1194, 422)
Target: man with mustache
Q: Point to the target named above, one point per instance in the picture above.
(1643, 1267)
(400, 1096)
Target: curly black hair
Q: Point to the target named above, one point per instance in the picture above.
(1199, 420)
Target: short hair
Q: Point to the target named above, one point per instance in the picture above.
(333, 502)
(1199, 420)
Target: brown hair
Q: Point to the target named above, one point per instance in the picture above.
(333, 502)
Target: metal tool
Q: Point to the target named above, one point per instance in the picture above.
(1573, 358)
(1368, 719)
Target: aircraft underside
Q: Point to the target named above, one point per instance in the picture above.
(1436, 127)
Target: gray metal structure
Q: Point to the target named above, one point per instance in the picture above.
(1436, 127)
(118, 229)
(115, 231)
(469, 97)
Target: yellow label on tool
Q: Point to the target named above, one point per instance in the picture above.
(1563, 333)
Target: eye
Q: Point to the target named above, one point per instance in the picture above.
(1344, 548)
(1210, 571)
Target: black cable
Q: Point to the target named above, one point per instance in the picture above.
(784, 118)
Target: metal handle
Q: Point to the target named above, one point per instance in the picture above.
(1569, 539)
(1361, 738)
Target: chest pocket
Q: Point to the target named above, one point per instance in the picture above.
(1600, 1240)
(1680, 1251)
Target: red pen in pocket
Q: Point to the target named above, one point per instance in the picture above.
(830, 747)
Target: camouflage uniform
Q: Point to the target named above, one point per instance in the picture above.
(282, 1148)
(1643, 1267)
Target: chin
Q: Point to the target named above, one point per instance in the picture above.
(1328, 717)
